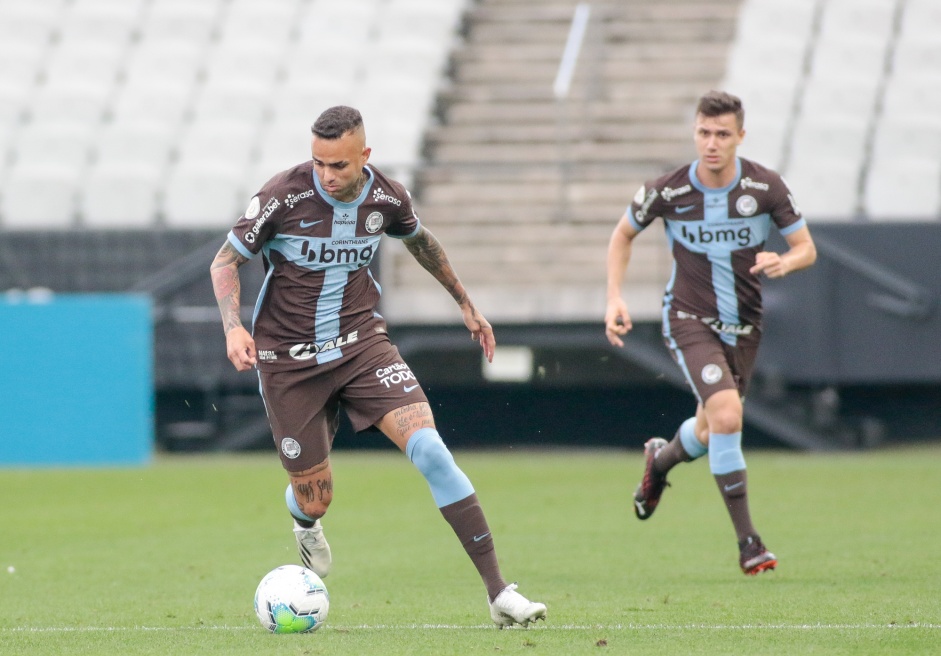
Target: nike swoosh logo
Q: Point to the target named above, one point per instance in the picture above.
(729, 488)
(478, 538)
(685, 209)
(305, 224)
(409, 389)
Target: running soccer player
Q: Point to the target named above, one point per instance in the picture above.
(318, 342)
(718, 212)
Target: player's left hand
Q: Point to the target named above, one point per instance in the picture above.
(480, 329)
(769, 263)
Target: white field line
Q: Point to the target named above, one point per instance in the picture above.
(489, 627)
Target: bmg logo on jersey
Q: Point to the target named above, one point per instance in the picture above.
(704, 235)
(338, 255)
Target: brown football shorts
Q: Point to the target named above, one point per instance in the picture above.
(303, 405)
(709, 363)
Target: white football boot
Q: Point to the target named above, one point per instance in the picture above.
(313, 548)
(510, 607)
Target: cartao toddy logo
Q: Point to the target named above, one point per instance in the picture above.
(326, 255)
(741, 236)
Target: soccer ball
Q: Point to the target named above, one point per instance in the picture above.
(291, 599)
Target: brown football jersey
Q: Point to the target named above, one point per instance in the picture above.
(714, 235)
(318, 300)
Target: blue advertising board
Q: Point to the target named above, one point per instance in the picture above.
(76, 380)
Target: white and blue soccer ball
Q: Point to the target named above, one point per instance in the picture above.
(291, 599)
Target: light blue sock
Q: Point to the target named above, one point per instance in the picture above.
(693, 447)
(428, 453)
(725, 453)
(293, 507)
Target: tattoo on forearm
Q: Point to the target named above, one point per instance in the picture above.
(227, 286)
(427, 250)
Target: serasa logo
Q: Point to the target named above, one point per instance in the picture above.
(741, 236)
(293, 199)
(669, 193)
(379, 194)
(361, 256)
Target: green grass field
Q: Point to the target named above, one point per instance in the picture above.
(165, 559)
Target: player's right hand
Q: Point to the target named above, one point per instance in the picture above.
(617, 322)
(240, 347)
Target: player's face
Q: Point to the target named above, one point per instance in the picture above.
(339, 163)
(717, 139)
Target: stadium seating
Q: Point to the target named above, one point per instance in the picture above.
(157, 113)
(871, 67)
(215, 81)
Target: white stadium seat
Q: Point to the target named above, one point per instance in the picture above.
(184, 19)
(857, 20)
(904, 188)
(280, 147)
(32, 22)
(119, 194)
(83, 100)
(20, 61)
(80, 60)
(160, 101)
(39, 196)
(224, 139)
(764, 138)
(135, 143)
(178, 93)
(826, 187)
(202, 194)
(59, 143)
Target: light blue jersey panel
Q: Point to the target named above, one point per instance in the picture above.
(717, 237)
(337, 256)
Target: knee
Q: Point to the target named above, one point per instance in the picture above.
(314, 509)
(726, 422)
(430, 455)
(724, 414)
(307, 506)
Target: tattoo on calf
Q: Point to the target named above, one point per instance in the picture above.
(306, 491)
(326, 487)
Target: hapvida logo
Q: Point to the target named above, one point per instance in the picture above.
(741, 236)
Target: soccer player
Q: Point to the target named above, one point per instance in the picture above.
(718, 212)
(318, 342)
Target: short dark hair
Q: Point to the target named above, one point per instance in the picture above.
(717, 103)
(333, 123)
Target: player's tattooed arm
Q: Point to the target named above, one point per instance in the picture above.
(430, 254)
(427, 250)
(226, 284)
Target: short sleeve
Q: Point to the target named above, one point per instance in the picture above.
(405, 222)
(257, 224)
(785, 212)
(644, 207)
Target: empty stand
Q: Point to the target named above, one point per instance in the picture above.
(174, 112)
(524, 190)
(121, 194)
(40, 196)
